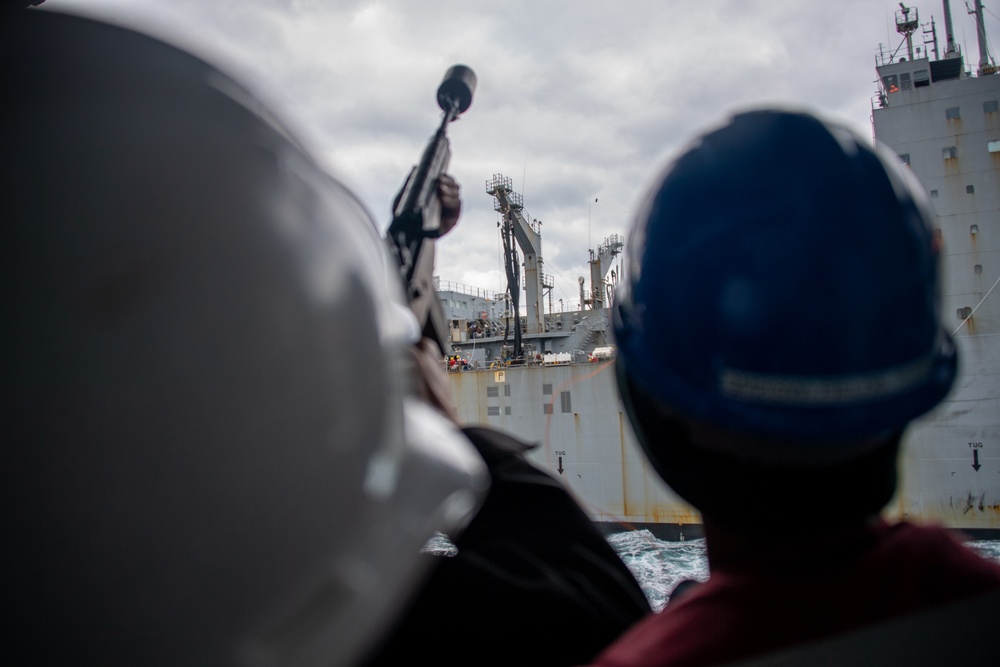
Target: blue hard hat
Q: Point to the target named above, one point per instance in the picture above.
(783, 282)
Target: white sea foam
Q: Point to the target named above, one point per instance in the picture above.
(659, 566)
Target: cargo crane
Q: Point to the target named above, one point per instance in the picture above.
(600, 263)
(516, 227)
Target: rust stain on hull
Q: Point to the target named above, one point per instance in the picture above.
(587, 442)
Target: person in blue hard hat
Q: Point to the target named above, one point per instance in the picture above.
(778, 330)
(224, 441)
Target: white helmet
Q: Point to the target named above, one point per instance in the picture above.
(212, 445)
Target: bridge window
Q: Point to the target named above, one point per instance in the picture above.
(891, 83)
(921, 78)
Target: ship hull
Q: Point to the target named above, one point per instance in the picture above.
(583, 436)
(944, 124)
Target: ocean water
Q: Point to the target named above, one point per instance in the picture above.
(659, 566)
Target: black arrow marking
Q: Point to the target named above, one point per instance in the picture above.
(560, 468)
(975, 460)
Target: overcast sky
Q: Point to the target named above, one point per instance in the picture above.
(580, 103)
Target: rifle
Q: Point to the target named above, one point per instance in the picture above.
(416, 220)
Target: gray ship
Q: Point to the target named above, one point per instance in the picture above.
(548, 376)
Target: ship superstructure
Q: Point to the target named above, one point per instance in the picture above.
(548, 377)
(942, 119)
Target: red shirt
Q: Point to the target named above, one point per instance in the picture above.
(785, 598)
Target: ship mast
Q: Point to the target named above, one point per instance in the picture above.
(906, 25)
(950, 49)
(986, 63)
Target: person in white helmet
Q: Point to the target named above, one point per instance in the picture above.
(777, 331)
(220, 445)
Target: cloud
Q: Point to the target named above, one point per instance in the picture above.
(575, 100)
